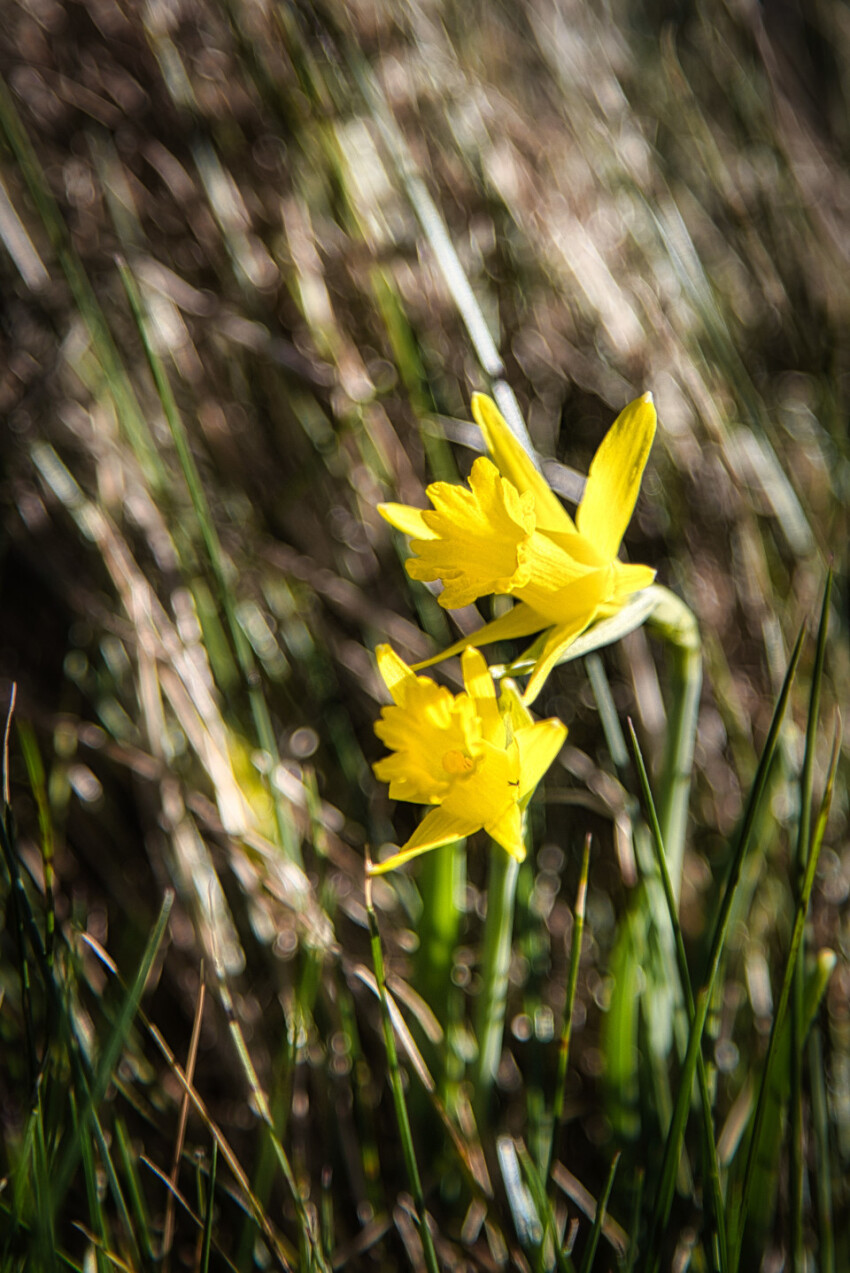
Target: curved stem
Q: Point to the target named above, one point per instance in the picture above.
(677, 626)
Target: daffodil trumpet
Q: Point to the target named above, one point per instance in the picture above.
(475, 757)
(509, 533)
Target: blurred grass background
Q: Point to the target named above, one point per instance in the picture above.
(227, 333)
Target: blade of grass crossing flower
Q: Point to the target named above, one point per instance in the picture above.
(495, 963)
(572, 986)
(709, 1143)
(782, 1004)
(209, 535)
(599, 1218)
(804, 832)
(675, 1136)
(397, 1090)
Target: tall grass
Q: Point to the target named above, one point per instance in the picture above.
(255, 259)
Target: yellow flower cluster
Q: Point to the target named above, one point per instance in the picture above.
(476, 757)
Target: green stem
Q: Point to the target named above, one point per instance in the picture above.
(677, 626)
(495, 964)
(566, 1033)
(440, 884)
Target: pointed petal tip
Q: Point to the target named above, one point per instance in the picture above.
(648, 398)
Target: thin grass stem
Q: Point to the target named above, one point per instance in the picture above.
(599, 1218)
(397, 1089)
(572, 986)
(210, 1212)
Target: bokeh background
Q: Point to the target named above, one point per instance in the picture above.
(235, 241)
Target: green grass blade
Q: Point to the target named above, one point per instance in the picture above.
(38, 785)
(823, 1157)
(134, 1187)
(111, 1051)
(709, 1143)
(796, 1166)
(782, 1005)
(209, 535)
(675, 1136)
(405, 1132)
(210, 1211)
(599, 1218)
(572, 987)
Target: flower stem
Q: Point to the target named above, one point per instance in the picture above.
(495, 963)
(677, 626)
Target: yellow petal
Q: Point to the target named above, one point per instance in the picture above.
(406, 519)
(538, 746)
(614, 478)
(629, 578)
(478, 537)
(436, 829)
(520, 621)
(516, 464)
(557, 641)
(574, 604)
(507, 831)
(394, 671)
(480, 688)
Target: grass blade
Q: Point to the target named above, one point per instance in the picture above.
(572, 986)
(675, 1136)
(709, 1143)
(801, 861)
(111, 1051)
(397, 1090)
(599, 1218)
(210, 1211)
(782, 1005)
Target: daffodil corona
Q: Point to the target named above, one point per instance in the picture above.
(509, 533)
(474, 756)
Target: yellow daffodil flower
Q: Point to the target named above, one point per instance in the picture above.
(509, 533)
(474, 756)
